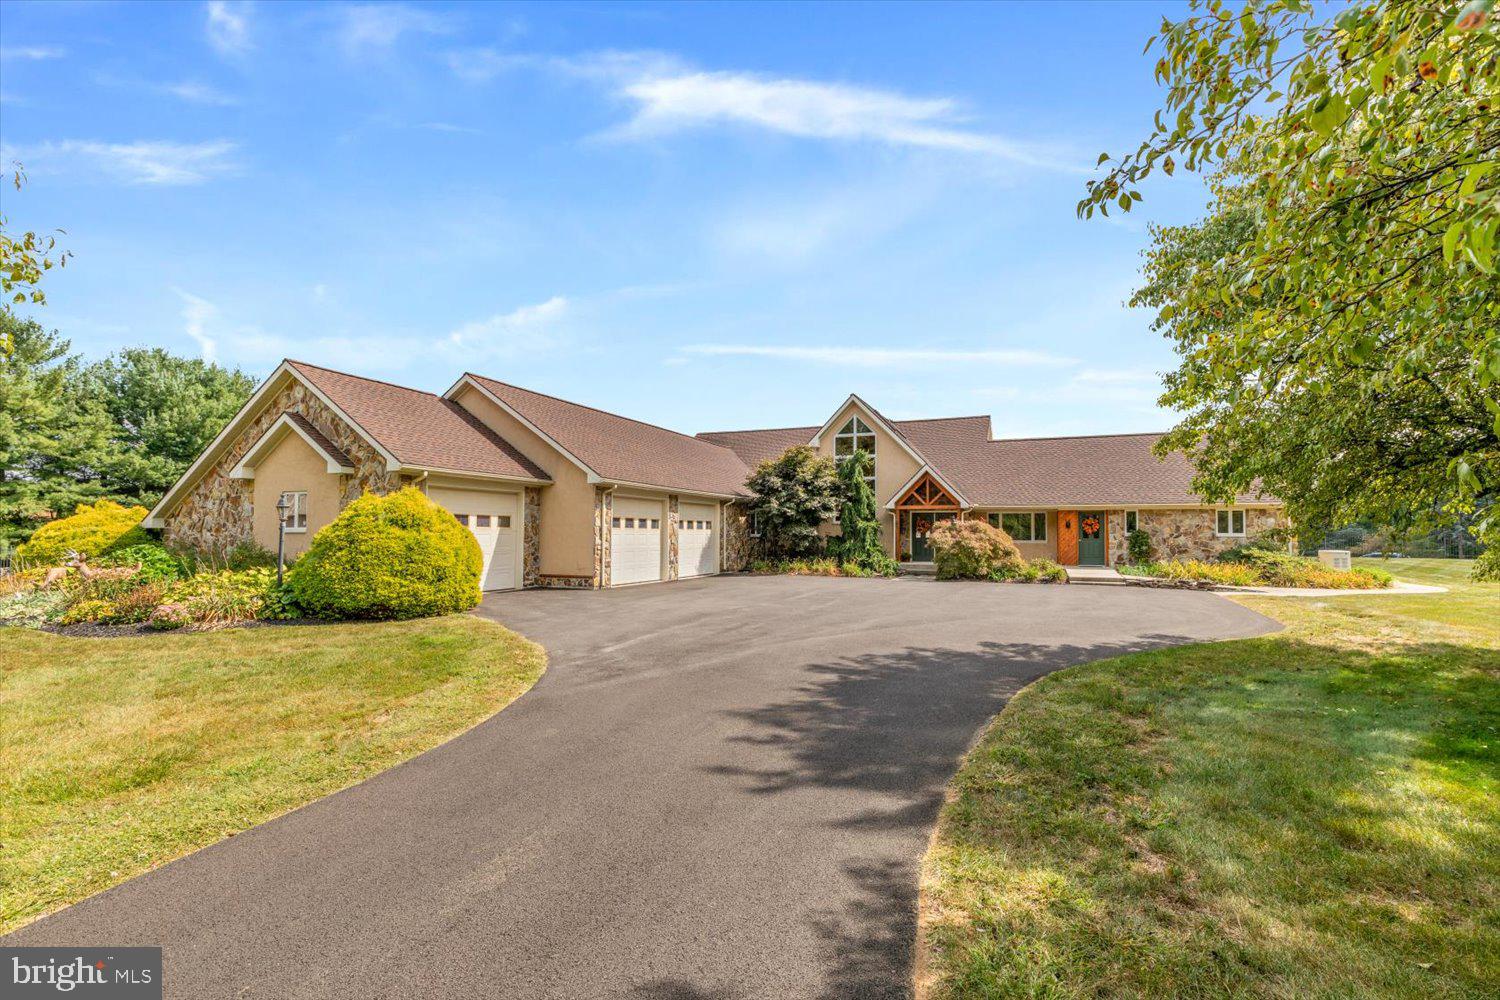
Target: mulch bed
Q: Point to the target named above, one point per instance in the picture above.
(94, 630)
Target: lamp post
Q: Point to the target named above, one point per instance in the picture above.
(282, 506)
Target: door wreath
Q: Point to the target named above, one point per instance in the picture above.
(1090, 525)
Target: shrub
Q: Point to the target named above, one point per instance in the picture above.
(794, 494)
(1036, 571)
(1487, 567)
(246, 554)
(1048, 571)
(93, 529)
(820, 567)
(394, 556)
(1138, 546)
(972, 550)
(32, 609)
(157, 564)
(1282, 569)
(225, 598)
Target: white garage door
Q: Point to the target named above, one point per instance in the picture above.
(697, 539)
(635, 541)
(495, 520)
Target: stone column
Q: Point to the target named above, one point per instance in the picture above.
(604, 505)
(673, 567)
(531, 524)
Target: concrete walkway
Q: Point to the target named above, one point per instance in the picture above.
(721, 789)
(1094, 574)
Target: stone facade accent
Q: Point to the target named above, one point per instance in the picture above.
(1188, 534)
(736, 547)
(531, 527)
(604, 511)
(217, 513)
(551, 582)
(673, 516)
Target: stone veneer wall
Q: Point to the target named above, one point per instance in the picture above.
(531, 526)
(604, 511)
(1188, 534)
(217, 512)
(736, 551)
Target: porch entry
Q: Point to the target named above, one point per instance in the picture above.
(1082, 537)
(919, 527)
(918, 510)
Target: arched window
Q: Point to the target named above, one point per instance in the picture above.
(854, 436)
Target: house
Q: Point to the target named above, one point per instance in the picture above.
(564, 495)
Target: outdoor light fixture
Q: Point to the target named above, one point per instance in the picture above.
(282, 506)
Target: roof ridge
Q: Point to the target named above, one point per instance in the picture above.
(595, 409)
(764, 430)
(1078, 437)
(362, 378)
(933, 420)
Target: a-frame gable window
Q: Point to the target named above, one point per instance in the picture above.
(854, 436)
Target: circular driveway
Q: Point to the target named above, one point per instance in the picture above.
(721, 788)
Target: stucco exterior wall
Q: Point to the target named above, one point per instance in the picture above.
(566, 531)
(1188, 533)
(893, 467)
(1029, 550)
(293, 466)
(217, 512)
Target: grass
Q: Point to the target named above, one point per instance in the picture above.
(1309, 814)
(118, 755)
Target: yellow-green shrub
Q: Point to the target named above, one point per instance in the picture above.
(93, 529)
(394, 556)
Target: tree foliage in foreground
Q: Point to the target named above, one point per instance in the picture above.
(1336, 316)
(24, 258)
(125, 427)
(794, 493)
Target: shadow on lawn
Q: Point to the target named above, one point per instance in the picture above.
(894, 724)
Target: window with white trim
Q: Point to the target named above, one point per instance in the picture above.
(1022, 526)
(1229, 522)
(296, 515)
(854, 436)
(1132, 521)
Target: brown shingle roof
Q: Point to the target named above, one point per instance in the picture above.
(332, 450)
(623, 450)
(1058, 471)
(419, 428)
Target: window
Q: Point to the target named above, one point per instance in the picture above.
(1132, 521)
(708, 526)
(630, 522)
(502, 520)
(296, 515)
(1230, 522)
(462, 519)
(614, 523)
(1025, 526)
(655, 523)
(854, 436)
(481, 520)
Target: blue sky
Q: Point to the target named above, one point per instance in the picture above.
(706, 216)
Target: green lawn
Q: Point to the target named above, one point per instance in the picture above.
(117, 755)
(1310, 814)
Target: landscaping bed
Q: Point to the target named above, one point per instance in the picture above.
(1249, 566)
(1311, 813)
(168, 742)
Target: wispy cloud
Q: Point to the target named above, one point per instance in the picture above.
(228, 26)
(143, 162)
(32, 53)
(366, 29)
(197, 314)
(189, 91)
(669, 97)
(530, 319)
(879, 357)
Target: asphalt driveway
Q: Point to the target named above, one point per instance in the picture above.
(720, 789)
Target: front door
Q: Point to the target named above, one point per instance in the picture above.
(921, 524)
(1090, 538)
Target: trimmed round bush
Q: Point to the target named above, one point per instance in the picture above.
(393, 556)
(94, 530)
(973, 550)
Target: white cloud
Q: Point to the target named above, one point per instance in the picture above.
(197, 93)
(671, 98)
(879, 357)
(143, 162)
(228, 26)
(197, 314)
(364, 29)
(531, 320)
(33, 53)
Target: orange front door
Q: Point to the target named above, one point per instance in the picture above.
(1067, 537)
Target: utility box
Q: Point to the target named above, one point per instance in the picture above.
(1335, 558)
